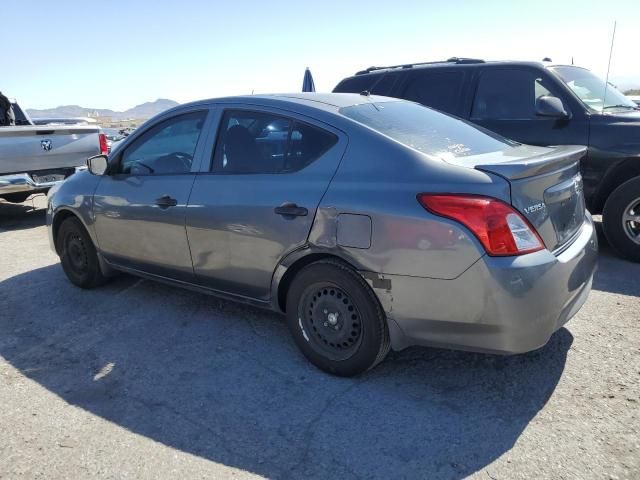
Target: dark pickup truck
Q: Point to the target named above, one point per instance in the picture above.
(538, 104)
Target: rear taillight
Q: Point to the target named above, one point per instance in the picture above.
(102, 138)
(501, 229)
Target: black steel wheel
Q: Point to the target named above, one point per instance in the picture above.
(78, 255)
(336, 319)
(331, 319)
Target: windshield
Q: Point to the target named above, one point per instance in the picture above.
(426, 130)
(591, 90)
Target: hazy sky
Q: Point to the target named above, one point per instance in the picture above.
(116, 54)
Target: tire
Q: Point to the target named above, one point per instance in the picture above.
(622, 233)
(336, 319)
(78, 255)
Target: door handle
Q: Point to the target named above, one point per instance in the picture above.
(290, 209)
(166, 201)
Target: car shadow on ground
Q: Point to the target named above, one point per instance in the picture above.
(225, 382)
(22, 216)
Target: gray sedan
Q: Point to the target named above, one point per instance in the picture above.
(372, 223)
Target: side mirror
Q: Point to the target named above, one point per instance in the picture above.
(97, 164)
(548, 106)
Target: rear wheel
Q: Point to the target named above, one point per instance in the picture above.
(78, 255)
(336, 320)
(621, 219)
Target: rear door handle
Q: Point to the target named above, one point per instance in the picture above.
(166, 201)
(290, 209)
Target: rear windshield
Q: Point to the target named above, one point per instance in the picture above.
(426, 130)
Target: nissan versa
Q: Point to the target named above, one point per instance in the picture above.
(373, 223)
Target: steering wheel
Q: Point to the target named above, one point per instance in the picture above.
(184, 158)
(142, 164)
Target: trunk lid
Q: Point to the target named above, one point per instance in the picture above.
(546, 187)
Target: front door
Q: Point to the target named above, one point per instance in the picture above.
(258, 201)
(140, 207)
(505, 100)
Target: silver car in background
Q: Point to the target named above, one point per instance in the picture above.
(372, 223)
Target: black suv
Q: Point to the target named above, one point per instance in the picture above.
(537, 104)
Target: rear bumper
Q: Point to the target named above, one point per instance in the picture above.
(23, 182)
(500, 304)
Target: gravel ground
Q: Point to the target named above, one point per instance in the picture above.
(141, 380)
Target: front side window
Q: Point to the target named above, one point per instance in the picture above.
(508, 95)
(166, 148)
(426, 130)
(591, 90)
(264, 143)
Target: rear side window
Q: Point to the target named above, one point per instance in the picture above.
(426, 130)
(264, 143)
(439, 90)
(307, 143)
(356, 84)
(508, 95)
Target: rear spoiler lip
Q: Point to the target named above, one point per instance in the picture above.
(557, 159)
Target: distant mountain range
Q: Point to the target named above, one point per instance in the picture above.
(144, 110)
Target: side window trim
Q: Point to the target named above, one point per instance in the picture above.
(197, 156)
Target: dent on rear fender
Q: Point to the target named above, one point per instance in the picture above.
(408, 242)
(383, 289)
(324, 232)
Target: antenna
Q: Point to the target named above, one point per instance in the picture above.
(606, 82)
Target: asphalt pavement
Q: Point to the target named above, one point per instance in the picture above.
(141, 380)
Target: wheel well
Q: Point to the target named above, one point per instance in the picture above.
(626, 171)
(289, 275)
(57, 221)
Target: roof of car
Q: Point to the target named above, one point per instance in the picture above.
(322, 101)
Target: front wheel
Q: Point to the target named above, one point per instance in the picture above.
(621, 219)
(336, 320)
(78, 255)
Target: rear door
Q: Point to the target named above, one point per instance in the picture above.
(504, 103)
(258, 200)
(140, 207)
